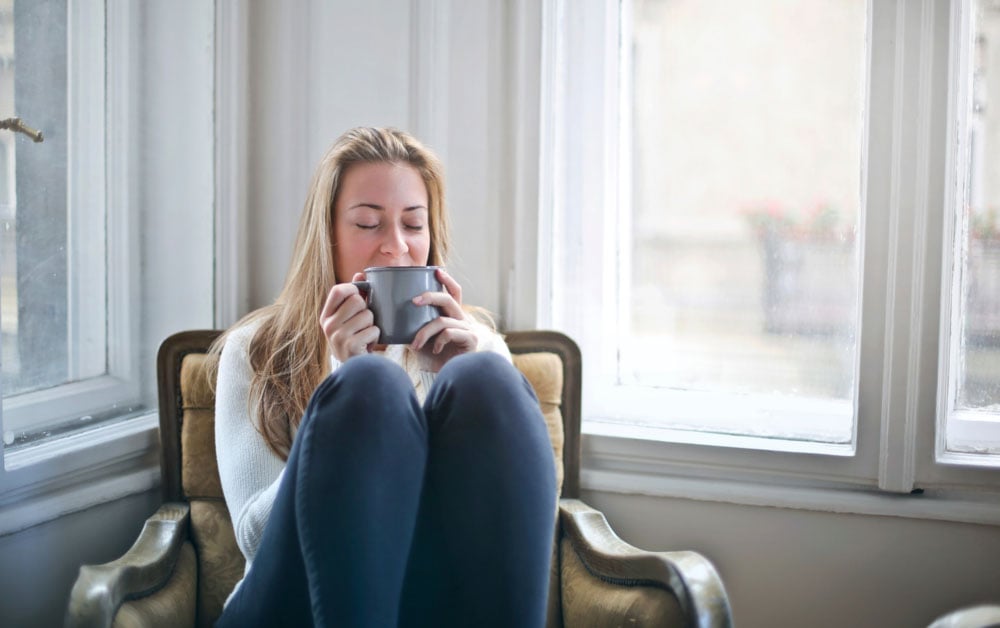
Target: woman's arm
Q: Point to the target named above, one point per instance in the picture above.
(249, 470)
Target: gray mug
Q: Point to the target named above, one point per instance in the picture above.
(389, 292)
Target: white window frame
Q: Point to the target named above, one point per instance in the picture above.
(959, 434)
(156, 134)
(101, 324)
(907, 158)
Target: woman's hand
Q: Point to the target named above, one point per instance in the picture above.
(448, 335)
(347, 323)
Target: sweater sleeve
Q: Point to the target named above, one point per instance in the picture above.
(489, 340)
(250, 472)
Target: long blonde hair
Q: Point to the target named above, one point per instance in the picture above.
(288, 353)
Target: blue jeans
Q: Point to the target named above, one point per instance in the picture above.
(392, 514)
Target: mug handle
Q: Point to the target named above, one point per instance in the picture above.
(365, 288)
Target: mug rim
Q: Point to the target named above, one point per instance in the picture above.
(375, 269)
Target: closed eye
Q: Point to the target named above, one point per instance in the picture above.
(415, 227)
(363, 226)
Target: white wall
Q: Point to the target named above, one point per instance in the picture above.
(38, 566)
(426, 67)
(794, 568)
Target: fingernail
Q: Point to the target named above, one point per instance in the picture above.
(418, 300)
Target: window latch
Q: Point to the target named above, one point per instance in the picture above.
(15, 124)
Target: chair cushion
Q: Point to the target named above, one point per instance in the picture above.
(220, 563)
(544, 372)
(553, 607)
(199, 469)
(195, 386)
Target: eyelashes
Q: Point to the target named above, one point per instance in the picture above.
(376, 226)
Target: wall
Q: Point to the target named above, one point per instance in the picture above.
(786, 567)
(426, 67)
(39, 565)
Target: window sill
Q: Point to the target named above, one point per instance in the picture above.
(47, 480)
(637, 466)
(715, 439)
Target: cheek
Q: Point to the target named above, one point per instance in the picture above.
(355, 251)
(350, 256)
(420, 249)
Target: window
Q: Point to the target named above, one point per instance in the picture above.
(108, 238)
(58, 362)
(765, 242)
(973, 360)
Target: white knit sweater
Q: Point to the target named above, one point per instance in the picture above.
(249, 470)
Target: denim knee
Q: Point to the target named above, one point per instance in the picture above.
(482, 380)
(365, 374)
(359, 382)
(481, 369)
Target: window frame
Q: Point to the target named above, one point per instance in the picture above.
(98, 263)
(908, 165)
(147, 216)
(966, 431)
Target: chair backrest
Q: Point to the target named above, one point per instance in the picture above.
(549, 360)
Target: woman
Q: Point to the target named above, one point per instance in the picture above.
(404, 485)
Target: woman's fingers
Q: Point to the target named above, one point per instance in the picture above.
(347, 322)
(450, 285)
(443, 301)
(334, 298)
(461, 340)
(342, 304)
(458, 331)
(449, 301)
(442, 339)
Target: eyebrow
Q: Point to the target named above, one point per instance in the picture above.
(380, 208)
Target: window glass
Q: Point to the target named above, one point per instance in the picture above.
(742, 268)
(54, 260)
(36, 242)
(976, 372)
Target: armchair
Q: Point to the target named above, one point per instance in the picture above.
(185, 561)
(976, 616)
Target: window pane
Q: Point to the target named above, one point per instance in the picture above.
(746, 149)
(49, 336)
(37, 272)
(978, 369)
(91, 282)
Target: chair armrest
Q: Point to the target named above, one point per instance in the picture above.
(100, 589)
(688, 575)
(981, 616)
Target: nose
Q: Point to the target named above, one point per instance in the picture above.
(394, 245)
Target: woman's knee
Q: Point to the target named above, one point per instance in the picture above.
(486, 382)
(486, 371)
(362, 387)
(364, 375)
